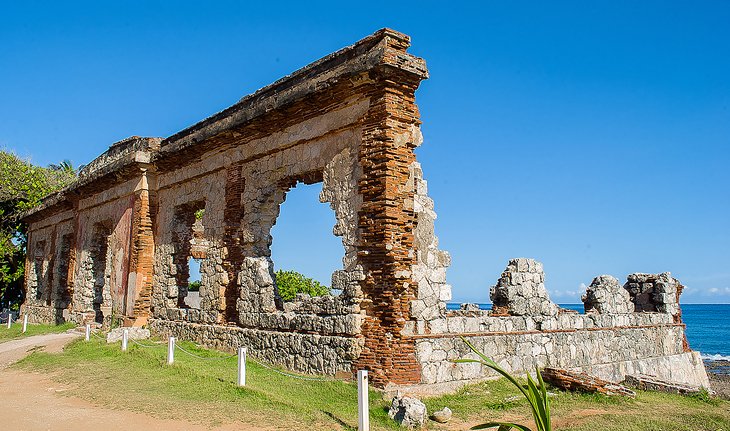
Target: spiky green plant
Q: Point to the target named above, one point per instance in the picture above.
(536, 395)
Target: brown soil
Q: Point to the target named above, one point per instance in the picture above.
(31, 401)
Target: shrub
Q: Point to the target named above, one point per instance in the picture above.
(290, 283)
(194, 286)
(535, 393)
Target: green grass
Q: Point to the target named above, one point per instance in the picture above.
(201, 390)
(16, 330)
(204, 392)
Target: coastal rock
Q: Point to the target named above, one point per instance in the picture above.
(469, 307)
(409, 412)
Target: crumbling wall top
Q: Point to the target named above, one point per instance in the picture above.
(385, 48)
(112, 163)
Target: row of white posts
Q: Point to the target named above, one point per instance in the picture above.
(363, 411)
(25, 322)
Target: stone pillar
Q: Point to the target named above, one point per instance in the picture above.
(139, 284)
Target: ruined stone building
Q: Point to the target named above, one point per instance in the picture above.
(116, 244)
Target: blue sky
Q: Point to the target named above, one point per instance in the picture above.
(592, 136)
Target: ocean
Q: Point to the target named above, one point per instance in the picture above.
(708, 327)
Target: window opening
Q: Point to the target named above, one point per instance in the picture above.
(304, 250)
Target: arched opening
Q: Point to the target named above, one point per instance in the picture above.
(302, 238)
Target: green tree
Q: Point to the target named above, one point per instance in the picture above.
(289, 283)
(22, 186)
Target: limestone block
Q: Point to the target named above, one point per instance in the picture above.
(409, 412)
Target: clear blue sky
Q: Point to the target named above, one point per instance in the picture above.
(592, 136)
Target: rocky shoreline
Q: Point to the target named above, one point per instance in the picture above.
(719, 374)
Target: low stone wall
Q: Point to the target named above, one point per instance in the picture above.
(609, 346)
(41, 314)
(305, 353)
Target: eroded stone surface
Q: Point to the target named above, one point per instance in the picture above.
(654, 292)
(409, 412)
(606, 295)
(521, 291)
(116, 334)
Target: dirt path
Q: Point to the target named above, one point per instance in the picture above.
(32, 401)
(15, 350)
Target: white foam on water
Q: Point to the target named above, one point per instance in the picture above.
(715, 357)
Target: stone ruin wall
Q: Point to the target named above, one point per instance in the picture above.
(283, 333)
(622, 332)
(124, 235)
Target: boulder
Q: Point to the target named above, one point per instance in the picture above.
(409, 412)
(443, 415)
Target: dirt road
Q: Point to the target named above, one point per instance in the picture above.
(32, 401)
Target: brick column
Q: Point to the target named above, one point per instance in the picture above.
(139, 285)
(387, 222)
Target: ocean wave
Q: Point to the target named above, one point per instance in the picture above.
(715, 357)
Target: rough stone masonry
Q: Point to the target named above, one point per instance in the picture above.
(117, 244)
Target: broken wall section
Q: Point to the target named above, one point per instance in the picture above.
(521, 291)
(525, 329)
(429, 272)
(242, 188)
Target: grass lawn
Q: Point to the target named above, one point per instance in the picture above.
(203, 391)
(16, 330)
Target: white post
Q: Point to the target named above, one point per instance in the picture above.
(88, 332)
(25, 323)
(170, 350)
(363, 404)
(10, 319)
(125, 338)
(241, 366)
